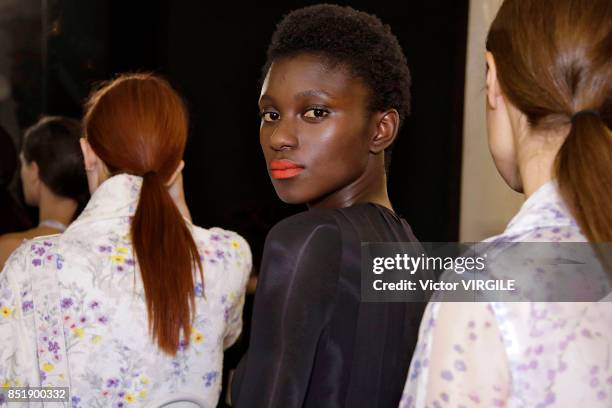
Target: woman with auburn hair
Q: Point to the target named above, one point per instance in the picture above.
(549, 110)
(132, 303)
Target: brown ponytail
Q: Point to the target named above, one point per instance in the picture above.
(137, 124)
(554, 63)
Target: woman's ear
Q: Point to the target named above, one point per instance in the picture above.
(493, 91)
(387, 126)
(176, 173)
(90, 158)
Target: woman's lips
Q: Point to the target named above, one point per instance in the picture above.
(284, 169)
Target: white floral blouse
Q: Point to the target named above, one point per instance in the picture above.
(73, 314)
(529, 354)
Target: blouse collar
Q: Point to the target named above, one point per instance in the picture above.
(543, 209)
(116, 197)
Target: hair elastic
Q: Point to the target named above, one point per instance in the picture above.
(585, 112)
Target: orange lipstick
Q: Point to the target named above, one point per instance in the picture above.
(284, 169)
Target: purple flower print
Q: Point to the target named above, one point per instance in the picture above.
(219, 253)
(112, 383)
(53, 346)
(210, 377)
(446, 375)
(66, 303)
(103, 319)
(27, 305)
(75, 401)
(36, 262)
(94, 304)
(104, 248)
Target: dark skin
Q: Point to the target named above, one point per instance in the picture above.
(318, 118)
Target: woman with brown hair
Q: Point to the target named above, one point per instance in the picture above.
(52, 177)
(132, 303)
(549, 110)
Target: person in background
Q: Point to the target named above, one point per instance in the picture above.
(549, 113)
(53, 179)
(13, 216)
(132, 304)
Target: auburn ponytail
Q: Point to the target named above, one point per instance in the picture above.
(167, 255)
(137, 124)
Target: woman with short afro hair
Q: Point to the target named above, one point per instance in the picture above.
(334, 95)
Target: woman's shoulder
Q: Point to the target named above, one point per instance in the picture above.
(219, 247)
(33, 253)
(306, 222)
(311, 229)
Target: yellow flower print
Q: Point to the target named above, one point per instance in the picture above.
(118, 259)
(6, 312)
(78, 332)
(6, 383)
(96, 339)
(142, 394)
(129, 398)
(235, 244)
(144, 380)
(197, 337)
(48, 367)
(122, 250)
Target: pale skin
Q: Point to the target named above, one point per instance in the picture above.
(523, 156)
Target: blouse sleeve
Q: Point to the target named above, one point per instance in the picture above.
(293, 303)
(242, 255)
(18, 365)
(460, 359)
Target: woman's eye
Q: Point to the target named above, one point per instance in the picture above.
(316, 113)
(270, 116)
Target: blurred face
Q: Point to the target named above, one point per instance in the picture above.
(30, 181)
(314, 129)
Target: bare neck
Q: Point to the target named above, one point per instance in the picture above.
(57, 208)
(370, 187)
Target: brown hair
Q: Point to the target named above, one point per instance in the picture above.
(137, 124)
(554, 59)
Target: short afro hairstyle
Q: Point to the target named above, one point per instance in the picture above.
(353, 39)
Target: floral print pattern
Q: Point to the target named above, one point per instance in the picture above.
(529, 354)
(85, 325)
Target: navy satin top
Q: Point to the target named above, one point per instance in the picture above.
(313, 343)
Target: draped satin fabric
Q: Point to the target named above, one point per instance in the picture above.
(313, 343)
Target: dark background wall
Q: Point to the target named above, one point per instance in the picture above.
(213, 54)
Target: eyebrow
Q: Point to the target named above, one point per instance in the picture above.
(303, 94)
(313, 92)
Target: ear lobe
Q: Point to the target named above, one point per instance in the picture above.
(493, 91)
(386, 131)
